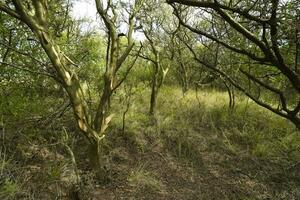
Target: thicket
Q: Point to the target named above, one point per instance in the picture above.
(205, 104)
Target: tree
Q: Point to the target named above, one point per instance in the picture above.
(156, 37)
(36, 15)
(186, 70)
(253, 30)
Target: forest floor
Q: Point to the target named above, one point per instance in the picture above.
(195, 149)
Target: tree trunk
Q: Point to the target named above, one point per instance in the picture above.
(184, 77)
(294, 119)
(35, 17)
(95, 155)
(154, 90)
(230, 94)
(103, 108)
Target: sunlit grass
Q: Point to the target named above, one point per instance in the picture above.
(247, 126)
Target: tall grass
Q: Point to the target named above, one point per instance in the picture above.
(246, 127)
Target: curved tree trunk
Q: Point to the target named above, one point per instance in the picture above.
(35, 17)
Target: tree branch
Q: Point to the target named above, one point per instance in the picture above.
(127, 71)
(240, 51)
(9, 11)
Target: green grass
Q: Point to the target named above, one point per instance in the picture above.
(9, 189)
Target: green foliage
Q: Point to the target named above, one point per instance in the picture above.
(8, 189)
(54, 172)
(193, 139)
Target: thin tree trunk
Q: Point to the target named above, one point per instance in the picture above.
(184, 79)
(230, 95)
(154, 91)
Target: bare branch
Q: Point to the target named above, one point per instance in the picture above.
(9, 11)
(128, 70)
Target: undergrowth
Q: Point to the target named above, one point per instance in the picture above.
(195, 136)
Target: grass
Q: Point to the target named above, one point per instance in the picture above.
(9, 189)
(198, 148)
(246, 126)
(141, 179)
(204, 132)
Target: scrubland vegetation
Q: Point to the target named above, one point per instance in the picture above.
(199, 149)
(204, 105)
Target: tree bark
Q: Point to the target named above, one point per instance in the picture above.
(35, 17)
(154, 89)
